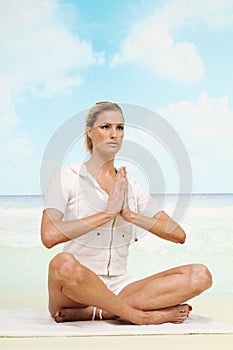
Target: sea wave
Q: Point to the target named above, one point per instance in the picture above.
(19, 212)
(209, 229)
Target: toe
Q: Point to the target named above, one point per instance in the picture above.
(58, 317)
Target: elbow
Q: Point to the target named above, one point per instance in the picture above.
(49, 231)
(47, 239)
(182, 240)
(182, 237)
(179, 236)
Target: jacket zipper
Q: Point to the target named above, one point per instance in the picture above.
(110, 247)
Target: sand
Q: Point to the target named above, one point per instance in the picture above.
(217, 308)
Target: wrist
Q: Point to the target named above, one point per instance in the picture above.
(109, 215)
(133, 216)
(129, 215)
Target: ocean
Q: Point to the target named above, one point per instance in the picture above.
(208, 224)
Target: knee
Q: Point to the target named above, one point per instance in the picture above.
(66, 266)
(201, 278)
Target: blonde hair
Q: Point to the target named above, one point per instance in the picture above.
(92, 115)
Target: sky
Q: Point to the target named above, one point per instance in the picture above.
(173, 57)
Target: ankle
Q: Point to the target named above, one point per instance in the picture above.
(97, 314)
(140, 317)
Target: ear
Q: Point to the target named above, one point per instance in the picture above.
(89, 132)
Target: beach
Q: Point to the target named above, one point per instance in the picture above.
(218, 308)
(24, 263)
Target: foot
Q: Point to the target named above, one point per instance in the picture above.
(80, 314)
(73, 314)
(173, 314)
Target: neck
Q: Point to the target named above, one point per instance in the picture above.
(98, 163)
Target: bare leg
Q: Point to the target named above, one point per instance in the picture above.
(173, 314)
(71, 289)
(162, 293)
(168, 288)
(151, 294)
(72, 285)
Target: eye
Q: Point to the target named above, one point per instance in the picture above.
(120, 127)
(105, 126)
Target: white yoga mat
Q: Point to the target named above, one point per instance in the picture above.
(31, 323)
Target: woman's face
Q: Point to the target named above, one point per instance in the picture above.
(108, 131)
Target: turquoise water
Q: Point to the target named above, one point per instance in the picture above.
(208, 224)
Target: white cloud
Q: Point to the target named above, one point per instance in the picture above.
(210, 14)
(206, 128)
(209, 113)
(39, 56)
(153, 48)
(17, 149)
(40, 50)
(152, 43)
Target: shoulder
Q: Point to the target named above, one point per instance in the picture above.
(62, 187)
(72, 169)
(135, 184)
(65, 176)
(69, 172)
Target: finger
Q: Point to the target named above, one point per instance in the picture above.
(124, 171)
(121, 171)
(120, 175)
(118, 184)
(122, 185)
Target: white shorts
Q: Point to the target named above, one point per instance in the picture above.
(116, 283)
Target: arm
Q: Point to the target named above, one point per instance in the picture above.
(55, 231)
(161, 225)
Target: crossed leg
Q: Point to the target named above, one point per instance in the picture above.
(152, 300)
(73, 286)
(164, 294)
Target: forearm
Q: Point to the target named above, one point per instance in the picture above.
(160, 225)
(56, 232)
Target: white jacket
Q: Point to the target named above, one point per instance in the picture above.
(104, 250)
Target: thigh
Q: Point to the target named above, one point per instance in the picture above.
(137, 286)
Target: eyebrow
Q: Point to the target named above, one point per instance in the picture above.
(104, 123)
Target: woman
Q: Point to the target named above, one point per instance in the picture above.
(96, 213)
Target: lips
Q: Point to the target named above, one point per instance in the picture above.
(112, 143)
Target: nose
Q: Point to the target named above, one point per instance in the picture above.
(113, 133)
